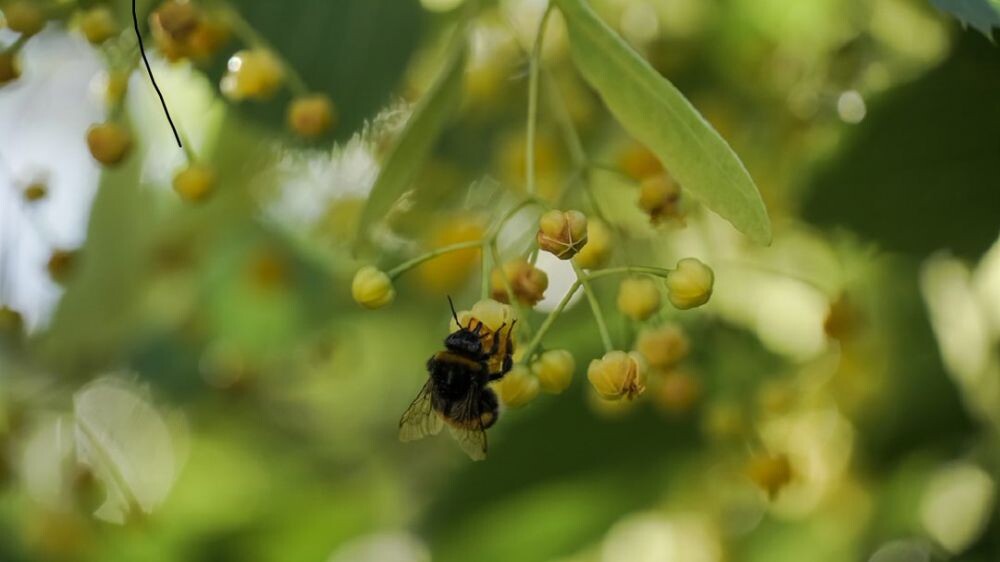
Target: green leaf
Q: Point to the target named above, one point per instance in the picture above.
(653, 111)
(416, 140)
(984, 15)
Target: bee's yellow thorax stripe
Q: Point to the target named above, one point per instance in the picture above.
(455, 358)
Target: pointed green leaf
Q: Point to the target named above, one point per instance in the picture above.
(416, 140)
(653, 111)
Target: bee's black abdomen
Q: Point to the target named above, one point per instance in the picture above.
(489, 408)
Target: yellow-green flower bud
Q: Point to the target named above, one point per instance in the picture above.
(690, 284)
(554, 370)
(598, 248)
(677, 392)
(109, 143)
(562, 234)
(659, 197)
(527, 282)
(252, 74)
(311, 116)
(491, 313)
(517, 388)
(638, 297)
(372, 288)
(98, 25)
(616, 375)
(195, 182)
(24, 17)
(663, 347)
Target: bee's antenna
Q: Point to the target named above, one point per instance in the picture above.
(453, 313)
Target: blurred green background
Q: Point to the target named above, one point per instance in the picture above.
(197, 383)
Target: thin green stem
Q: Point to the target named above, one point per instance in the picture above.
(251, 37)
(645, 269)
(410, 264)
(595, 307)
(536, 341)
(534, 65)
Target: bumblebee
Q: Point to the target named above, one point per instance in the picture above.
(456, 392)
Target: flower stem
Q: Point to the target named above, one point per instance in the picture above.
(533, 69)
(648, 270)
(549, 320)
(410, 264)
(595, 307)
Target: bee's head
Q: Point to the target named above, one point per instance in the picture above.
(465, 341)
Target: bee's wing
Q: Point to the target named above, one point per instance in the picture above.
(420, 419)
(468, 428)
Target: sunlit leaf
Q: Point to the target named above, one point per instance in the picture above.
(653, 111)
(416, 140)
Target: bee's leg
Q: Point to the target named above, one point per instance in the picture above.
(505, 367)
(495, 346)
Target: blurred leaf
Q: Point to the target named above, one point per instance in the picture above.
(125, 442)
(417, 139)
(921, 172)
(653, 111)
(355, 51)
(983, 15)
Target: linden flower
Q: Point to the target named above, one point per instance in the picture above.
(554, 370)
(311, 116)
(527, 282)
(664, 346)
(659, 197)
(690, 284)
(562, 234)
(770, 472)
(194, 183)
(598, 249)
(616, 375)
(252, 74)
(109, 143)
(517, 388)
(638, 297)
(372, 288)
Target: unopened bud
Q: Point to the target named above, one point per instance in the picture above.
(554, 370)
(517, 388)
(690, 284)
(372, 288)
(638, 297)
(562, 234)
(527, 282)
(598, 248)
(616, 375)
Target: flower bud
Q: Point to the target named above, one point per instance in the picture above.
(690, 284)
(516, 388)
(664, 346)
(24, 17)
(659, 197)
(36, 191)
(311, 116)
(638, 162)
(176, 20)
(98, 25)
(770, 472)
(617, 374)
(11, 324)
(527, 282)
(208, 37)
(554, 370)
(488, 311)
(61, 264)
(598, 248)
(10, 67)
(638, 297)
(109, 143)
(195, 182)
(252, 74)
(677, 393)
(372, 288)
(562, 234)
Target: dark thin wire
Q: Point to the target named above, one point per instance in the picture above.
(135, 22)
